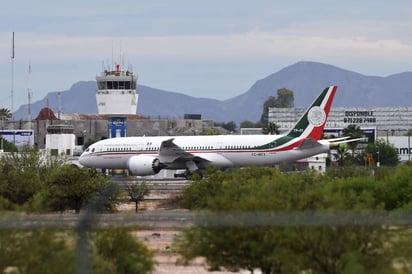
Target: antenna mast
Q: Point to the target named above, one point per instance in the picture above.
(112, 65)
(120, 60)
(59, 104)
(29, 95)
(12, 77)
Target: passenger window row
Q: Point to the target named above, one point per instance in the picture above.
(184, 148)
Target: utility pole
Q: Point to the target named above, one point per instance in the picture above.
(12, 77)
(29, 95)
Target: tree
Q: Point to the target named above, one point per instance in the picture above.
(28, 158)
(239, 237)
(137, 192)
(354, 132)
(233, 247)
(7, 146)
(248, 124)
(394, 188)
(71, 188)
(284, 99)
(5, 114)
(383, 152)
(127, 254)
(52, 251)
(229, 126)
(272, 128)
(341, 153)
(37, 251)
(212, 131)
(35, 183)
(270, 102)
(19, 186)
(21, 175)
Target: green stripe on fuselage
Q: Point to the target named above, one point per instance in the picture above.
(276, 143)
(299, 128)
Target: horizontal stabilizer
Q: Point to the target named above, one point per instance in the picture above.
(335, 142)
(308, 144)
(331, 140)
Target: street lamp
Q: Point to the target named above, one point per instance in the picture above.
(378, 163)
(409, 145)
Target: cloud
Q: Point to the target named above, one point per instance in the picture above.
(254, 45)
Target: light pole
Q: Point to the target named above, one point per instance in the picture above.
(378, 163)
(409, 145)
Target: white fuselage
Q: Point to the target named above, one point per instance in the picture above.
(220, 150)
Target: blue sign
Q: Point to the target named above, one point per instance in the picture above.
(117, 127)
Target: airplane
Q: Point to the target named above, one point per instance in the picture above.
(148, 155)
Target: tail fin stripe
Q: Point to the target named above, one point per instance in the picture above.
(310, 125)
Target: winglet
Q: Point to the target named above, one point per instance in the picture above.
(311, 124)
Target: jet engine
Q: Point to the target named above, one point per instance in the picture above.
(143, 165)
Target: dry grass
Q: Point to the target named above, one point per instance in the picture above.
(160, 242)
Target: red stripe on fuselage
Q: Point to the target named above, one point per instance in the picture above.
(291, 146)
(131, 153)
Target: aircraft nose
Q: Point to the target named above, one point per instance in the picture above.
(83, 159)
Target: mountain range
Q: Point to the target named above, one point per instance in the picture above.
(305, 79)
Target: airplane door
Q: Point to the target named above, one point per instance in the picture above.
(140, 147)
(219, 145)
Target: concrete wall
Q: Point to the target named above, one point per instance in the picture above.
(97, 129)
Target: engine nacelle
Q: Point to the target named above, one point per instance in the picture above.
(143, 165)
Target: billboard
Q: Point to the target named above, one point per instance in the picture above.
(117, 127)
(402, 145)
(19, 137)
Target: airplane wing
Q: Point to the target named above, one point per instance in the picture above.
(170, 152)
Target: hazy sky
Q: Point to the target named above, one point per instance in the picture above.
(211, 48)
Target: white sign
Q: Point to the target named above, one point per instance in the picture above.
(19, 137)
(403, 145)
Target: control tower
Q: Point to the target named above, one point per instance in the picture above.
(116, 92)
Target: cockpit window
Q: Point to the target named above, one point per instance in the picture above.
(92, 149)
(87, 150)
